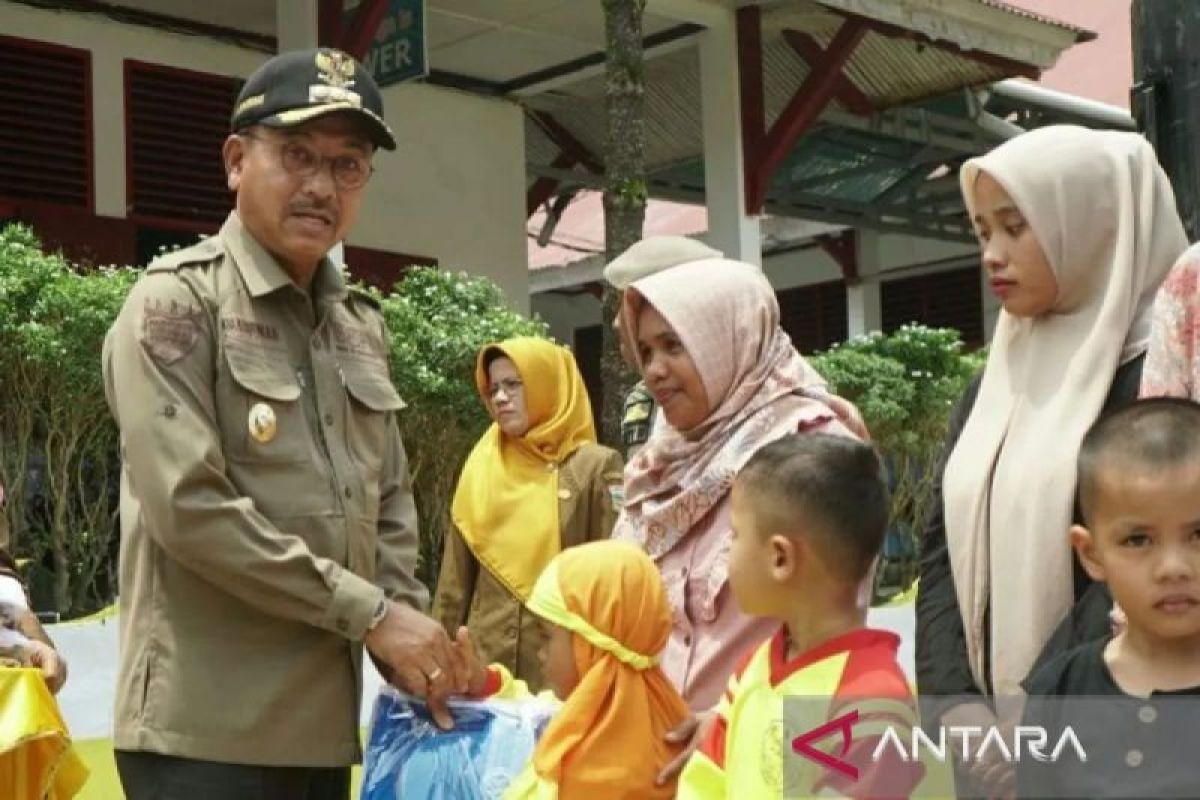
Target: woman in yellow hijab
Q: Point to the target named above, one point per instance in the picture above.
(608, 618)
(535, 484)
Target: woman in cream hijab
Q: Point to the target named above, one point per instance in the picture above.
(1077, 228)
(535, 483)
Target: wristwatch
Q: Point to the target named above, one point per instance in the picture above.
(380, 612)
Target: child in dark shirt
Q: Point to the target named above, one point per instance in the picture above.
(1132, 699)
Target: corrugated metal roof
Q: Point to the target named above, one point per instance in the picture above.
(1081, 34)
(836, 170)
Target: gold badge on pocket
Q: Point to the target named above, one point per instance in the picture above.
(262, 423)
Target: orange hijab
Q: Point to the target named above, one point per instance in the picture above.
(607, 740)
(506, 503)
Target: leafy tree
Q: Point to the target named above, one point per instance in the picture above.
(905, 385)
(624, 183)
(54, 422)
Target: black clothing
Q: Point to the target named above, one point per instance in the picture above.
(941, 650)
(152, 776)
(1136, 747)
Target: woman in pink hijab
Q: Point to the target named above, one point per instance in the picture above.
(706, 337)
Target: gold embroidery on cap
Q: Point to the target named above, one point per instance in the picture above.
(253, 101)
(335, 70)
(262, 423)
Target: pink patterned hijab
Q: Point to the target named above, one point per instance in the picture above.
(726, 315)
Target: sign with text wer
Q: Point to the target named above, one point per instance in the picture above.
(397, 50)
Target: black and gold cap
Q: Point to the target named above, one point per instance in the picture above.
(301, 85)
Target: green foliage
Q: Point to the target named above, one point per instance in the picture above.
(53, 414)
(905, 385)
(438, 322)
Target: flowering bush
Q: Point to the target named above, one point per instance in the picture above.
(905, 385)
(58, 446)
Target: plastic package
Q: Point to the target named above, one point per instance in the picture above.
(409, 757)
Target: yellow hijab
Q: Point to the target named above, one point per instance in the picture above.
(506, 504)
(607, 739)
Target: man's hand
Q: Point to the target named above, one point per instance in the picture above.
(47, 659)
(690, 733)
(421, 658)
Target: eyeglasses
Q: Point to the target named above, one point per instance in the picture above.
(350, 172)
(510, 386)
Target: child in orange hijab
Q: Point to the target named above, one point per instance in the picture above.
(608, 618)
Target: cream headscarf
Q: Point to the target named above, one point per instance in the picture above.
(1104, 213)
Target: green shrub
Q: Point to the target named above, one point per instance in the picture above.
(54, 422)
(438, 322)
(905, 385)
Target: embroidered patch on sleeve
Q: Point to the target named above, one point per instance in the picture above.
(170, 329)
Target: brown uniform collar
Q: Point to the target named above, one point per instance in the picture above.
(262, 273)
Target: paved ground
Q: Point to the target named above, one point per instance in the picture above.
(91, 651)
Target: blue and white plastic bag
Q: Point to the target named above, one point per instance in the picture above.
(409, 758)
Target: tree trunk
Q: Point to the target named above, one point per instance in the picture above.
(624, 184)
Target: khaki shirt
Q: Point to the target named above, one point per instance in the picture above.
(266, 506)
(502, 630)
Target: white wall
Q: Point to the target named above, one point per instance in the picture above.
(455, 187)
(565, 313)
(454, 190)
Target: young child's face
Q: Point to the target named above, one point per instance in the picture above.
(750, 561)
(557, 656)
(1145, 543)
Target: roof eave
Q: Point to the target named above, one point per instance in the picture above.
(974, 26)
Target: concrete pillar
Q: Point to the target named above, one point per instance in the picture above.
(296, 24)
(729, 228)
(108, 131)
(864, 309)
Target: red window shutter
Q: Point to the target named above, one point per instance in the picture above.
(950, 299)
(380, 268)
(46, 138)
(177, 121)
(814, 316)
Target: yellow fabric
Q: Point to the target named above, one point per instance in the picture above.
(36, 759)
(529, 786)
(607, 741)
(506, 504)
(547, 602)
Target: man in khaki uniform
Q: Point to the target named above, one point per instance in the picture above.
(268, 525)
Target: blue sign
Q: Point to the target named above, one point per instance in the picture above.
(397, 50)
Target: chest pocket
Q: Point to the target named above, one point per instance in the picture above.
(262, 418)
(370, 398)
